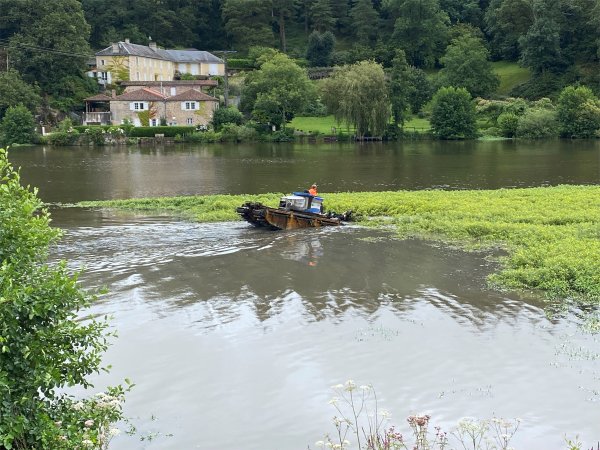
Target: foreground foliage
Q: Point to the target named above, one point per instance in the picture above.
(44, 347)
(552, 235)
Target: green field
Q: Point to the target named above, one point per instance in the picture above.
(511, 75)
(551, 235)
(327, 124)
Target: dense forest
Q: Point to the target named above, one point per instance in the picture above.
(48, 43)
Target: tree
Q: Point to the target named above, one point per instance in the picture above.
(277, 91)
(506, 21)
(578, 112)
(321, 15)
(453, 114)
(283, 9)
(44, 347)
(248, 22)
(421, 31)
(358, 96)
(466, 64)
(14, 91)
(40, 53)
(399, 88)
(420, 90)
(364, 21)
(320, 48)
(540, 47)
(18, 126)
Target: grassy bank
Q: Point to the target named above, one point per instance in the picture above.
(551, 235)
(326, 124)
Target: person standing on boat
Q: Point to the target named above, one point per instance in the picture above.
(313, 190)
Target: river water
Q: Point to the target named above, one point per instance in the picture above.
(234, 335)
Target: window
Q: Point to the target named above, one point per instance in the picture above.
(173, 90)
(190, 121)
(102, 62)
(153, 122)
(104, 75)
(190, 106)
(138, 106)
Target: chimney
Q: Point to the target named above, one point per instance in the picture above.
(113, 93)
(115, 47)
(152, 45)
(127, 40)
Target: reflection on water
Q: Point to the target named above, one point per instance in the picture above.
(74, 174)
(233, 334)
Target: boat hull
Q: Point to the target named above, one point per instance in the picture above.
(282, 219)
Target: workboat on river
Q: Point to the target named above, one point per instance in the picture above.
(299, 210)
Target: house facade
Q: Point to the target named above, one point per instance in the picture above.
(175, 102)
(124, 61)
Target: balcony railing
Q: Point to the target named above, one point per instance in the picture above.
(102, 118)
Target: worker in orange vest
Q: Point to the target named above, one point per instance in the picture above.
(313, 189)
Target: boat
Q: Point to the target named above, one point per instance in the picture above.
(298, 210)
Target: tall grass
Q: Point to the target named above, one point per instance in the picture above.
(551, 235)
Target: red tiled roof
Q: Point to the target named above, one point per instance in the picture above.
(143, 94)
(98, 98)
(192, 94)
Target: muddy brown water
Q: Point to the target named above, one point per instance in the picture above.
(234, 335)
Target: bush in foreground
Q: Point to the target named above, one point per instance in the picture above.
(44, 346)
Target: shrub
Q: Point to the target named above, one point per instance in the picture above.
(508, 124)
(238, 133)
(63, 138)
(18, 126)
(453, 114)
(199, 137)
(578, 112)
(537, 124)
(95, 135)
(166, 131)
(44, 345)
(227, 115)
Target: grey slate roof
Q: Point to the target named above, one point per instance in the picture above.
(191, 55)
(127, 49)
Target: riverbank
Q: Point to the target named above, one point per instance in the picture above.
(551, 235)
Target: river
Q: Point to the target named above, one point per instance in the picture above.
(234, 335)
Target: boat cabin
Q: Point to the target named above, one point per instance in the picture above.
(303, 202)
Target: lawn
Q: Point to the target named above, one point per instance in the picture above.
(326, 124)
(511, 75)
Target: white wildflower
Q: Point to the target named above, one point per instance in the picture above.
(88, 423)
(320, 444)
(114, 431)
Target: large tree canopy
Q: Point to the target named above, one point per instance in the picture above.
(421, 31)
(40, 53)
(466, 64)
(277, 91)
(358, 96)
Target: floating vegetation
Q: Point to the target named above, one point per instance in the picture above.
(551, 235)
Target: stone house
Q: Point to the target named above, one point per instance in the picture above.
(175, 102)
(124, 61)
(148, 107)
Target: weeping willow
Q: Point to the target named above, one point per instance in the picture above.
(357, 95)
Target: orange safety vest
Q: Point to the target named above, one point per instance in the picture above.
(312, 191)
